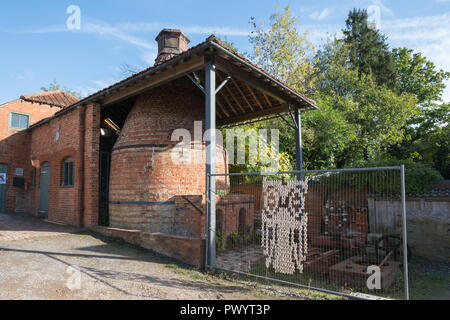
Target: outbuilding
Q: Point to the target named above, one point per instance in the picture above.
(104, 162)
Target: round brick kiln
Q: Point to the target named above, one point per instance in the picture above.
(144, 180)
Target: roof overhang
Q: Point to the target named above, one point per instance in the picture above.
(251, 94)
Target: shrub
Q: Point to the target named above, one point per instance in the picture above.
(417, 178)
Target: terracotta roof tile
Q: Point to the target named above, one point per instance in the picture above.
(57, 98)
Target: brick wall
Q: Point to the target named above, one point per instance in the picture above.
(45, 148)
(15, 151)
(142, 169)
(79, 130)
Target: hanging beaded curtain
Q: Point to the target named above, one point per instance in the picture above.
(284, 225)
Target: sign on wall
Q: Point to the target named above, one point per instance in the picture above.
(2, 178)
(19, 172)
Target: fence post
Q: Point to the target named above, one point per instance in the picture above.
(210, 103)
(404, 231)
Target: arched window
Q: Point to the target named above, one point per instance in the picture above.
(68, 173)
(219, 220)
(242, 214)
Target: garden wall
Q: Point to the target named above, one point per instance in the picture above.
(428, 223)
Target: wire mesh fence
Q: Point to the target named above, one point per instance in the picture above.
(330, 230)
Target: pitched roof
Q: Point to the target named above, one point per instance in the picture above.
(211, 44)
(57, 98)
(212, 40)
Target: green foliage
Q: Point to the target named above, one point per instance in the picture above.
(427, 139)
(373, 116)
(373, 102)
(220, 241)
(55, 86)
(368, 50)
(228, 44)
(418, 177)
(417, 75)
(282, 51)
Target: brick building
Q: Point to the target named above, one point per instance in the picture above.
(104, 162)
(15, 117)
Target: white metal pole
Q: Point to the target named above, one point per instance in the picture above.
(210, 93)
(404, 232)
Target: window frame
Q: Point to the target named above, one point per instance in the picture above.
(68, 173)
(11, 113)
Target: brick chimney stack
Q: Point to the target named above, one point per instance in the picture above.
(171, 42)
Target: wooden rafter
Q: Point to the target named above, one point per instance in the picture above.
(222, 109)
(231, 94)
(228, 103)
(242, 94)
(267, 99)
(253, 115)
(252, 92)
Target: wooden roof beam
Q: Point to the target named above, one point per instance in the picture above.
(253, 115)
(242, 94)
(252, 92)
(256, 81)
(231, 94)
(155, 80)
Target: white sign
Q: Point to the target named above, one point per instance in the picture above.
(2, 178)
(19, 172)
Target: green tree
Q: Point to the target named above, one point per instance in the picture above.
(282, 50)
(417, 75)
(426, 133)
(53, 86)
(375, 114)
(368, 49)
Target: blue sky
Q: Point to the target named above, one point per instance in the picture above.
(36, 46)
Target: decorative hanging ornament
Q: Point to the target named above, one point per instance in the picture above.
(284, 223)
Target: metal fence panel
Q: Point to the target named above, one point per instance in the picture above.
(330, 231)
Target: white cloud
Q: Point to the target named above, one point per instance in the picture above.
(321, 15)
(429, 35)
(103, 83)
(99, 29)
(126, 31)
(139, 27)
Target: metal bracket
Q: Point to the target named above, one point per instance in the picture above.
(287, 122)
(292, 117)
(223, 84)
(196, 83)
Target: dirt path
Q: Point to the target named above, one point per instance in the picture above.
(39, 260)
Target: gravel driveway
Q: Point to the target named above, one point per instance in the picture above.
(39, 260)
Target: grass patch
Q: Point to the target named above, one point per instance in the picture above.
(171, 266)
(180, 271)
(197, 276)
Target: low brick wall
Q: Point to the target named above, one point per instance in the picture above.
(188, 250)
(185, 249)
